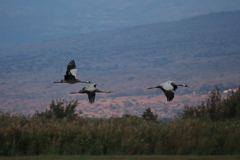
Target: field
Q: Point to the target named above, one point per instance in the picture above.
(117, 157)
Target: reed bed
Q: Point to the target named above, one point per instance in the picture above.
(127, 135)
(209, 128)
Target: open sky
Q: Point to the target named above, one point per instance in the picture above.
(28, 21)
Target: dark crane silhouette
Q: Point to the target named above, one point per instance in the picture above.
(70, 76)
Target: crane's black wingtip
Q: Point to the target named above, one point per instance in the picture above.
(72, 62)
(91, 100)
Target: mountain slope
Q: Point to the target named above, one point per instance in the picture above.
(202, 51)
(33, 21)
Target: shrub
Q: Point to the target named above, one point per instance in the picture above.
(60, 110)
(148, 115)
(215, 107)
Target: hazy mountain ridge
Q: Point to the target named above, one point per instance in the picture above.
(33, 21)
(162, 41)
(200, 51)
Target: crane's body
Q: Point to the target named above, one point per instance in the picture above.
(70, 76)
(91, 92)
(169, 88)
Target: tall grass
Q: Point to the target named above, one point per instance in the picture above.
(199, 130)
(127, 135)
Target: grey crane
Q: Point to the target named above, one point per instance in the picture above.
(91, 91)
(168, 88)
(70, 76)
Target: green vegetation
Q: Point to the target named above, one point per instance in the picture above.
(149, 116)
(211, 128)
(215, 107)
(60, 110)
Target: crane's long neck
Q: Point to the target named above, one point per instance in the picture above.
(151, 87)
(57, 82)
(106, 92)
(154, 87)
(74, 92)
(183, 85)
(62, 81)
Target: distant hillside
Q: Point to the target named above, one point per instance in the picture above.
(202, 51)
(31, 21)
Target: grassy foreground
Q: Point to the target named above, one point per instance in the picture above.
(210, 128)
(142, 157)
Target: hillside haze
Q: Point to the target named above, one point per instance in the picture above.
(28, 21)
(201, 51)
